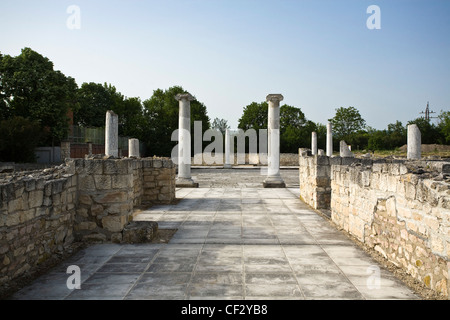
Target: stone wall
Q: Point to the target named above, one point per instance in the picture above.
(43, 212)
(110, 189)
(37, 214)
(399, 208)
(286, 159)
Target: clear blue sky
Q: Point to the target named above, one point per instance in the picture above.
(319, 54)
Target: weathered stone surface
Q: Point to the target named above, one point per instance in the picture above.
(114, 223)
(139, 231)
(87, 199)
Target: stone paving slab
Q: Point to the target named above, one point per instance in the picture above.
(252, 243)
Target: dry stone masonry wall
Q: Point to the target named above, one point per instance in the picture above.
(43, 212)
(399, 208)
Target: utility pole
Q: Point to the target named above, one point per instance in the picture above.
(427, 112)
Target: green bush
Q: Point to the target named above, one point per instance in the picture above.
(18, 139)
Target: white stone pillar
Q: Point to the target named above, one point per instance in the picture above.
(184, 178)
(344, 150)
(133, 148)
(112, 134)
(329, 139)
(274, 179)
(314, 143)
(229, 156)
(414, 143)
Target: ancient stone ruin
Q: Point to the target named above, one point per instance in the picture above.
(90, 200)
(400, 208)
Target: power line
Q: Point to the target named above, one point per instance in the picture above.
(427, 112)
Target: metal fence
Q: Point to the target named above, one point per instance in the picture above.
(94, 135)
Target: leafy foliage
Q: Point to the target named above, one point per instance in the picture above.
(347, 122)
(18, 139)
(161, 119)
(220, 124)
(31, 88)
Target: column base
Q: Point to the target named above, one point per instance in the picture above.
(274, 182)
(227, 166)
(185, 183)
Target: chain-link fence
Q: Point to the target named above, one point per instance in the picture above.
(94, 135)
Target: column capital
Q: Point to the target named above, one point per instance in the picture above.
(184, 96)
(274, 97)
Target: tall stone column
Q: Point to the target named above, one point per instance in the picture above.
(112, 134)
(133, 148)
(329, 139)
(228, 153)
(274, 179)
(314, 143)
(184, 178)
(414, 143)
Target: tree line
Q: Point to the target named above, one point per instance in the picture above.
(36, 101)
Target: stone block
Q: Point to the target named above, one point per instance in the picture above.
(86, 183)
(102, 182)
(93, 166)
(94, 237)
(111, 197)
(85, 199)
(114, 223)
(110, 167)
(122, 181)
(139, 231)
(86, 225)
(147, 163)
(337, 161)
(96, 209)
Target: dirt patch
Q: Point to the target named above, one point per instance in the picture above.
(429, 148)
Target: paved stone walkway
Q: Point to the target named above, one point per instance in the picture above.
(233, 242)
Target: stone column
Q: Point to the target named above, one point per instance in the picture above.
(329, 139)
(89, 148)
(274, 179)
(65, 150)
(344, 150)
(314, 143)
(133, 148)
(112, 134)
(228, 153)
(414, 143)
(184, 178)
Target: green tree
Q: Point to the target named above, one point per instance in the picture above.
(220, 124)
(430, 134)
(295, 129)
(131, 118)
(254, 116)
(18, 139)
(444, 126)
(31, 88)
(161, 120)
(346, 123)
(94, 100)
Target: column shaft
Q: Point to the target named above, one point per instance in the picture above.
(273, 171)
(184, 141)
(329, 139)
(314, 143)
(112, 134)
